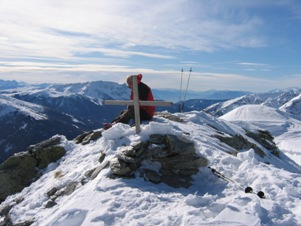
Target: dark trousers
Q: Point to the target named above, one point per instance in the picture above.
(126, 115)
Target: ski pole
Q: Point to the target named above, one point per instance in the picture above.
(248, 189)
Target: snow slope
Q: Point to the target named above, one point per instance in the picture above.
(293, 106)
(9, 104)
(209, 201)
(284, 127)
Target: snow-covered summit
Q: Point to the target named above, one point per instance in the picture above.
(258, 113)
(134, 201)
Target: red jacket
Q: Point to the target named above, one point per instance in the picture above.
(145, 93)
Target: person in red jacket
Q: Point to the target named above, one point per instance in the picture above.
(146, 112)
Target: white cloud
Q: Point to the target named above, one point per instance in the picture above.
(252, 64)
(94, 38)
(28, 27)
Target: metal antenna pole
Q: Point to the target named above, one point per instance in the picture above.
(186, 89)
(180, 98)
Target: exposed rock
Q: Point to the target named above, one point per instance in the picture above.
(50, 204)
(54, 193)
(101, 157)
(266, 140)
(174, 158)
(179, 145)
(91, 174)
(79, 139)
(152, 176)
(21, 169)
(5, 210)
(181, 162)
(156, 139)
(47, 151)
(16, 172)
(121, 168)
(6, 221)
(70, 188)
(169, 116)
(262, 137)
(85, 138)
(51, 192)
(238, 142)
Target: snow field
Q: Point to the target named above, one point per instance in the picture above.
(209, 201)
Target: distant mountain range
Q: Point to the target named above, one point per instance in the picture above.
(177, 96)
(4, 84)
(32, 113)
(286, 100)
(100, 88)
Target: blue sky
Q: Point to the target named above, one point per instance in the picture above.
(250, 45)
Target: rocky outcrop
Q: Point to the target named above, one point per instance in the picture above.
(165, 159)
(85, 138)
(16, 173)
(264, 138)
(21, 169)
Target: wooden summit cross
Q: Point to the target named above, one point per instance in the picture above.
(137, 103)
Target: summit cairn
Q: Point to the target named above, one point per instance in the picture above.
(168, 159)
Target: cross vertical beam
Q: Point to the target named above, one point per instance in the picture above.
(136, 104)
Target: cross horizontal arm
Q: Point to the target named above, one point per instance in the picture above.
(141, 103)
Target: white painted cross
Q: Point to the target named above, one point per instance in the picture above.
(136, 102)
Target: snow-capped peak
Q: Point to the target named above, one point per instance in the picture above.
(258, 113)
(293, 106)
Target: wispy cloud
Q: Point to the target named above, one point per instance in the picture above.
(57, 28)
(251, 66)
(92, 39)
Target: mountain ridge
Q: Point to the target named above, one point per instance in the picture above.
(253, 144)
(108, 199)
(79, 108)
(274, 99)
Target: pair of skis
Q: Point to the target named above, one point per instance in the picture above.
(260, 194)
